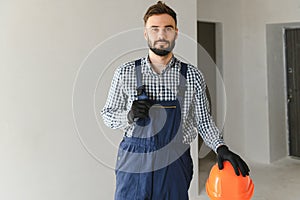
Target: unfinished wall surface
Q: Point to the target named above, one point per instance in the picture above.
(250, 126)
(260, 120)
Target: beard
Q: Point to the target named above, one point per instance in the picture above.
(161, 51)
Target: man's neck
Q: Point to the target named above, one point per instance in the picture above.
(159, 63)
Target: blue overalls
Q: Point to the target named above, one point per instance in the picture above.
(154, 164)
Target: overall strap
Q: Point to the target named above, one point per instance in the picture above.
(182, 80)
(141, 91)
(138, 71)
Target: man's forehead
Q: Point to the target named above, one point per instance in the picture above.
(160, 20)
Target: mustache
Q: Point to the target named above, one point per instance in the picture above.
(166, 41)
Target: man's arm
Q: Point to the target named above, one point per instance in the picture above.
(202, 118)
(210, 133)
(114, 113)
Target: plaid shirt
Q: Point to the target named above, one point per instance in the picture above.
(162, 87)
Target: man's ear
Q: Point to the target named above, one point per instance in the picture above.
(176, 33)
(145, 34)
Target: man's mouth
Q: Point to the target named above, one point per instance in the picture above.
(161, 42)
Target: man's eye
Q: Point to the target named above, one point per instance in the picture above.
(155, 29)
(169, 29)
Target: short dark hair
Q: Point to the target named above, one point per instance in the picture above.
(160, 8)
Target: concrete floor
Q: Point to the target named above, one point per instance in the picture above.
(277, 181)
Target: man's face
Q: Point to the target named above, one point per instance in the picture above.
(161, 33)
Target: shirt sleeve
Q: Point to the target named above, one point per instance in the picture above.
(203, 121)
(114, 113)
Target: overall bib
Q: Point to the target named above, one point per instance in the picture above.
(154, 164)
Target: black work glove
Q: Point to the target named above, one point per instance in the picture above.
(139, 109)
(236, 161)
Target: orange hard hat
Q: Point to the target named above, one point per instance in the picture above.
(226, 185)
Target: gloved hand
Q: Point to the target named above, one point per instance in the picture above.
(236, 161)
(139, 109)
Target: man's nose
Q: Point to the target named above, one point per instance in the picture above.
(161, 34)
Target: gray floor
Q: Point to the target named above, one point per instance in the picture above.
(277, 181)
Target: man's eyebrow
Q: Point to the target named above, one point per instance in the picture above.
(169, 26)
(155, 26)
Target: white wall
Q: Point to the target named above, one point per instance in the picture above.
(248, 120)
(42, 46)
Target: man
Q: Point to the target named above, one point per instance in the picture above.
(159, 101)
